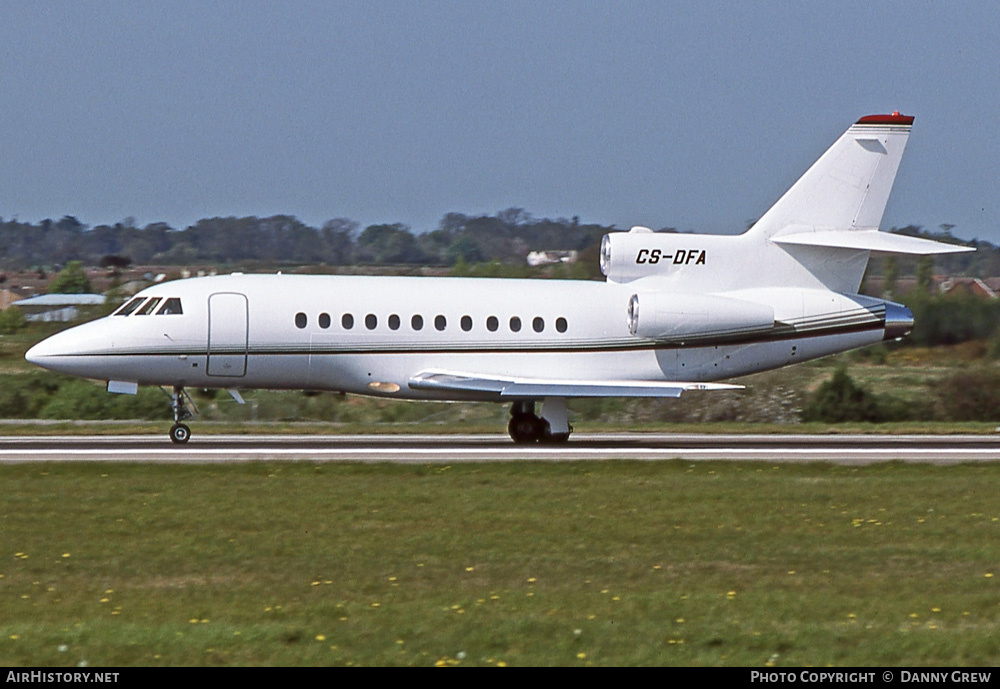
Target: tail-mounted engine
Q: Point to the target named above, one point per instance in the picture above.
(685, 317)
(627, 256)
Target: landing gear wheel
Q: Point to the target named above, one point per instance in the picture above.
(180, 433)
(183, 408)
(526, 428)
(555, 438)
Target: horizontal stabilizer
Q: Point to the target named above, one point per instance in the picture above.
(871, 240)
(517, 387)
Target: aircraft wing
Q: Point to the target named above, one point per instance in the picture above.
(515, 386)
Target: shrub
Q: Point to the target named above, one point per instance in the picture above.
(79, 399)
(23, 396)
(972, 395)
(993, 346)
(950, 319)
(840, 399)
(11, 321)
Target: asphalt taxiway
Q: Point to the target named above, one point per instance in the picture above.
(839, 449)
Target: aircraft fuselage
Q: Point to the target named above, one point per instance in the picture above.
(371, 335)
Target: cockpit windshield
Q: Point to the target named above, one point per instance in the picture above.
(171, 306)
(130, 306)
(148, 307)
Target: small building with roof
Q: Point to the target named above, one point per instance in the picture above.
(57, 307)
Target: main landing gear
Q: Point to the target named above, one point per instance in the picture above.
(550, 427)
(183, 408)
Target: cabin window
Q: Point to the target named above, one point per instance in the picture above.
(561, 324)
(347, 321)
(324, 320)
(538, 325)
(300, 320)
(371, 321)
(515, 324)
(417, 322)
(149, 306)
(130, 306)
(393, 322)
(492, 324)
(466, 323)
(440, 322)
(171, 307)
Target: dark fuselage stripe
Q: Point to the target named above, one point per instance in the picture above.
(356, 349)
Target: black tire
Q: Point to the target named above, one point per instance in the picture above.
(555, 438)
(525, 428)
(180, 433)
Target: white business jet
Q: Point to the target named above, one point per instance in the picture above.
(676, 313)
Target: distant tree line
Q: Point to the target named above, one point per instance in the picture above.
(506, 237)
(463, 240)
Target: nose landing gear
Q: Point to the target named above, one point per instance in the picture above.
(180, 433)
(183, 408)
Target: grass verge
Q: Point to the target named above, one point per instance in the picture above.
(613, 563)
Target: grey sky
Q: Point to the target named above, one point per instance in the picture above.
(689, 114)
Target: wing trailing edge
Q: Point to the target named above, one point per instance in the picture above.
(519, 387)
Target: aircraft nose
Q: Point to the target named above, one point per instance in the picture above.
(43, 353)
(34, 355)
(56, 353)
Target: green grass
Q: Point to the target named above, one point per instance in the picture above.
(521, 563)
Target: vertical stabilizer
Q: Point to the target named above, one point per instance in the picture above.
(848, 187)
(819, 235)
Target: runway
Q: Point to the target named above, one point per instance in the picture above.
(838, 449)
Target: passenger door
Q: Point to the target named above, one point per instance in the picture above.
(228, 328)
